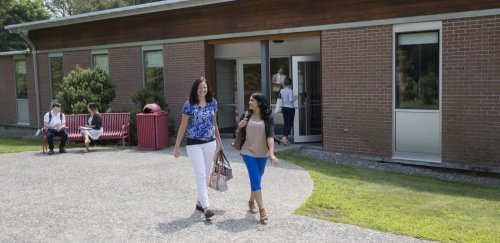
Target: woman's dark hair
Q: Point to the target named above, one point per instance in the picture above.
(193, 96)
(287, 81)
(263, 103)
(93, 106)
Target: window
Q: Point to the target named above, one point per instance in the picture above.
(56, 74)
(417, 70)
(21, 88)
(153, 70)
(100, 60)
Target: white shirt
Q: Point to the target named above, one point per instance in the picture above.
(56, 121)
(287, 97)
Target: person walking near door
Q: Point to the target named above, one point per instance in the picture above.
(288, 109)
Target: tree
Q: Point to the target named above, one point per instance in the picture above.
(15, 12)
(82, 86)
(62, 8)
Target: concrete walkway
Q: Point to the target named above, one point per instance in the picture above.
(114, 195)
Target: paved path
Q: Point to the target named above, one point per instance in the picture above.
(114, 195)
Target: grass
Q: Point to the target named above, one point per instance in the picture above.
(421, 207)
(14, 145)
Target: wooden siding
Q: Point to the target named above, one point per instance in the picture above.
(241, 16)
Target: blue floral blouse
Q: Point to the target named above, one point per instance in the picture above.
(201, 120)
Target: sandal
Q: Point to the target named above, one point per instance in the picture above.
(87, 145)
(263, 215)
(253, 207)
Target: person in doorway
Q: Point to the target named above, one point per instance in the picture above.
(258, 148)
(55, 123)
(93, 129)
(199, 124)
(277, 80)
(288, 109)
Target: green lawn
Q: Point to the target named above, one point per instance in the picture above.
(14, 145)
(416, 206)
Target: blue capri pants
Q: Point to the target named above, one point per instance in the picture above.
(255, 167)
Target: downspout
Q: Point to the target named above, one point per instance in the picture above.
(24, 35)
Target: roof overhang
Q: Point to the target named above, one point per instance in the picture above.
(166, 5)
(13, 53)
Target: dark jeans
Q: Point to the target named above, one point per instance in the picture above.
(50, 138)
(288, 116)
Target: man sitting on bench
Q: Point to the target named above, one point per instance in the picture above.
(55, 123)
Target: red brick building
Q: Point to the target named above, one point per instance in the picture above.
(405, 81)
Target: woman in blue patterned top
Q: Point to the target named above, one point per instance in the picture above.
(199, 123)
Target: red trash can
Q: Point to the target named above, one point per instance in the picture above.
(152, 128)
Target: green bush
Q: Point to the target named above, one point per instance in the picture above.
(82, 86)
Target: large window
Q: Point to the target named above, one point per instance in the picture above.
(153, 70)
(417, 70)
(100, 60)
(56, 74)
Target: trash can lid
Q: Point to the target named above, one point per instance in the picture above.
(151, 108)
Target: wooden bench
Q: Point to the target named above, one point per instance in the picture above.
(115, 126)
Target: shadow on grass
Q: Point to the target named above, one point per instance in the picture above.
(411, 182)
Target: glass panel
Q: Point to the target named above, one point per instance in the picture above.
(280, 69)
(309, 98)
(21, 88)
(226, 94)
(251, 81)
(56, 75)
(417, 72)
(101, 60)
(153, 63)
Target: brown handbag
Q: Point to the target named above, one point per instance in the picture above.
(239, 138)
(240, 133)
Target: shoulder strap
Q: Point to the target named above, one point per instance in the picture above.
(50, 117)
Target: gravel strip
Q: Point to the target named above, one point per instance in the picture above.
(440, 173)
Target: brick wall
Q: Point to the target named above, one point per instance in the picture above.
(73, 58)
(44, 81)
(183, 63)
(357, 90)
(125, 70)
(7, 90)
(471, 91)
(30, 85)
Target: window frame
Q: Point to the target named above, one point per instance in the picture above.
(96, 53)
(149, 49)
(418, 28)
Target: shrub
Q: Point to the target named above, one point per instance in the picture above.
(82, 86)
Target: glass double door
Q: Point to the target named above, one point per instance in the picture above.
(306, 77)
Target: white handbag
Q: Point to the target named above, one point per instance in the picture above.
(279, 103)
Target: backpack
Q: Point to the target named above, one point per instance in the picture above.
(50, 116)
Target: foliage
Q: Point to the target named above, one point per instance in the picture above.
(15, 12)
(429, 88)
(62, 8)
(82, 86)
(422, 207)
(147, 96)
(142, 98)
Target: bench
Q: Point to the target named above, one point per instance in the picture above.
(115, 126)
